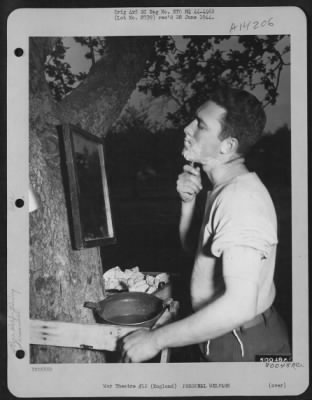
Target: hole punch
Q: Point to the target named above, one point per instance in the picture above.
(20, 354)
(18, 52)
(19, 203)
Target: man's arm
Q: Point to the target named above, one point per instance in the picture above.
(188, 186)
(185, 224)
(236, 306)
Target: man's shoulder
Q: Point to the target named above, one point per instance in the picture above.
(242, 184)
(243, 191)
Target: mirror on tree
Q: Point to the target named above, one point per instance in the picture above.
(87, 188)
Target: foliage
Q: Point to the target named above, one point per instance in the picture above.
(188, 74)
(96, 46)
(60, 78)
(186, 68)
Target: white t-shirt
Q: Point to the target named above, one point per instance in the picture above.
(241, 213)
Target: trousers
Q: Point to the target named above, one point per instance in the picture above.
(268, 337)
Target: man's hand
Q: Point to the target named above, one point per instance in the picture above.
(189, 183)
(139, 346)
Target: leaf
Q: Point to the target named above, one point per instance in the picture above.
(203, 60)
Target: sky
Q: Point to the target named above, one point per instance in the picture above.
(277, 115)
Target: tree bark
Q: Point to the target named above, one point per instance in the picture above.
(61, 278)
(98, 101)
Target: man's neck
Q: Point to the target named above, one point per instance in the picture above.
(221, 172)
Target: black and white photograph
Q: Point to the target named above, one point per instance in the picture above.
(163, 205)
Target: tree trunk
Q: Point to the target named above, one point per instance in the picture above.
(61, 278)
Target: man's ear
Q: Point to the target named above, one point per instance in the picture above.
(229, 145)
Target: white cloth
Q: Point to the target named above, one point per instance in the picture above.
(241, 213)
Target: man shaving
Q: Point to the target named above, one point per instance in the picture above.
(232, 287)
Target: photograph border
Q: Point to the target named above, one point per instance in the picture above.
(303, 142)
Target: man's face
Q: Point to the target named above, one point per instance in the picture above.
(202, 143)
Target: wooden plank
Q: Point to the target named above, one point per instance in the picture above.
(91, 336)
(67, 334)
(165, 355)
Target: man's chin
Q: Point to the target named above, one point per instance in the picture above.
(189, 157)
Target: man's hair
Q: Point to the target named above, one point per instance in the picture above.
(244, 118)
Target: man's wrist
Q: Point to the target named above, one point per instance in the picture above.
(157, 339)
(188, 204)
